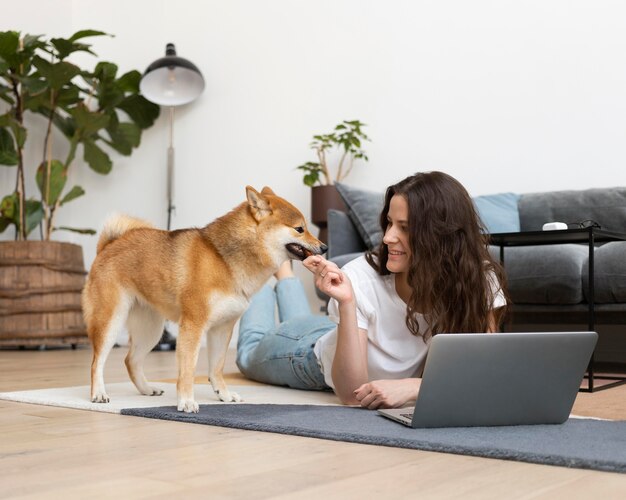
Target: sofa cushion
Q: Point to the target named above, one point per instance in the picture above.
(342, 260)
(547, 274)
(607, 206)
(499, 212)
(364, 208)
(609, 264)
(343, 237)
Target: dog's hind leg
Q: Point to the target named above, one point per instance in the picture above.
(104, 327)
(217, 339)
(145, 327)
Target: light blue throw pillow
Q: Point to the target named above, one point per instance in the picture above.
(499, 212)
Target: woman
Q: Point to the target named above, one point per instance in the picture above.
(431, 274)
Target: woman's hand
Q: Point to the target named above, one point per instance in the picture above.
(330, 279)
(387, 393)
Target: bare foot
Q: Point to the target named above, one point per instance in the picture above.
(284, 271)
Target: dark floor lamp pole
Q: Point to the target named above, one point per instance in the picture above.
(171, 81)
(170, 172)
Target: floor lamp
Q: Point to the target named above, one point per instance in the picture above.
(171, 81)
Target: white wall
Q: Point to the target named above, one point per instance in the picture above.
(505, 95)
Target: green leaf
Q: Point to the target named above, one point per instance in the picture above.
(105, 71)
(74, 193)
(109, 96)
(64, 47)
(19, 60)
(129, 82)
(68, 96)
(310, 166)
(9, 208)
(34, 214)
(52, 187)
(4, 223)
(87, 33)
(75, 230)
(97, 159)
(312, 172)
(66, 125)
(88, 122)
(57, 74)
(39, 103)
(311, 179)
(19, 133)
(124, 137)
(34, 86)
(140, 110)
(111, 93)
(9, 43)
(8, 154)
(32, 42)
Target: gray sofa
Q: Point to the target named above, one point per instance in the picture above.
(548, 284)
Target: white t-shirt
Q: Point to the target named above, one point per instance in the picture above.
(393, 352)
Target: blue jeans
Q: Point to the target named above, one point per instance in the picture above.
(282, 354)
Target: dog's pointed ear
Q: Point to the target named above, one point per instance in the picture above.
(267, 190)
(258, 203)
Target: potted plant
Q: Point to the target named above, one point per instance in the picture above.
(89, 111)
(344, 145)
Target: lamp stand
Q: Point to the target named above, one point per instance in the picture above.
(171, 81)
(167, 340)
(170, 172)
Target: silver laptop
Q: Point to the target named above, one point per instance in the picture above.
(478, 379)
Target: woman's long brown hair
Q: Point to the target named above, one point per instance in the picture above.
(450, 268)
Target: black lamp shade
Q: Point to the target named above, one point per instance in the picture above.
(171, 80)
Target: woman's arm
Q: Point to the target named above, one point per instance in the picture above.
(388, 393)
(492, 325)
(349, 369)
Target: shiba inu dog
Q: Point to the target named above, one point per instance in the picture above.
(201, 278)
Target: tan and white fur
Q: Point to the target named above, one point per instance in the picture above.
(201, 278)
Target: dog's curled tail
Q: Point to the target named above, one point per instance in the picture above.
(115, 226)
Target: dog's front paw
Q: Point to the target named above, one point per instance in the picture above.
(100, 397)
(228, 397)
(154, 391)
(188, 406)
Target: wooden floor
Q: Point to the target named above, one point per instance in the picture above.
(48, 452)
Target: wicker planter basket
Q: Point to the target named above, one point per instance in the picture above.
(40, 287)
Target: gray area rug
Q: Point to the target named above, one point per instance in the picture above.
(579, 443)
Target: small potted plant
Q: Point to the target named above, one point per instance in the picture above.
(86, 109)
(345, 142)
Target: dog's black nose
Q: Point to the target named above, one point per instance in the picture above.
(323, 248)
